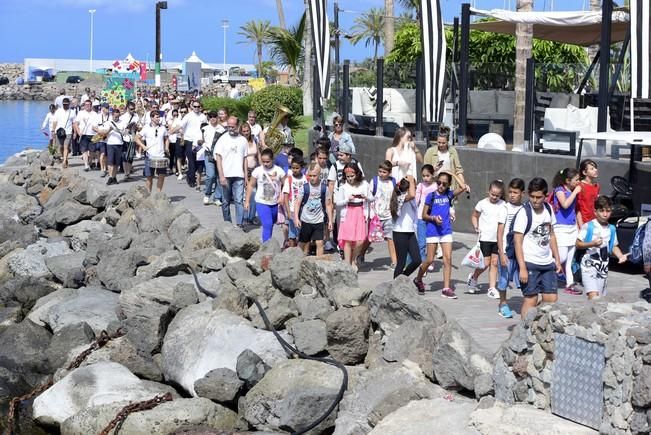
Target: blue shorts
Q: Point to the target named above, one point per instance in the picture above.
(86, 144)
(101, 147)
(293, 231)
(508, 273)
(114, 155)
(542, 280)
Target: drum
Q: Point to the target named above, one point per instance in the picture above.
(159, 163)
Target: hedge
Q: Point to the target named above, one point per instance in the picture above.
(266, 100)
(239, 108)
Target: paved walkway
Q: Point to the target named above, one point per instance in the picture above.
(475, 312)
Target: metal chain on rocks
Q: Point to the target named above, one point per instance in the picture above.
(15, 403)
(134, 407)
(292, 351)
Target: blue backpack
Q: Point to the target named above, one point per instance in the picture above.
(509, 250)
(374, 184)
(636, 256)
(306, 197)
(590, 231)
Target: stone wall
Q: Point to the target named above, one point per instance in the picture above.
(483, 166)
(524, 366)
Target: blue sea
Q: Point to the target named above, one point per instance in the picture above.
(20, 126)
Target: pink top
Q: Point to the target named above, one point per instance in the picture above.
(422, 190)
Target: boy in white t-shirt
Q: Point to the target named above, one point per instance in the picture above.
(535, 248)
(380, 191)
(485, 218)
(599, 238)
(153, 140)
(291, 187)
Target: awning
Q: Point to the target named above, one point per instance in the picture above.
(578, 28)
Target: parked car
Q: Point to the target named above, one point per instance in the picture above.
(74, 79)
(4, 80)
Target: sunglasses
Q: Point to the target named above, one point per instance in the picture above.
(337, 124)
(196, 107)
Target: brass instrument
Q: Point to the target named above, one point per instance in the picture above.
(275, 138)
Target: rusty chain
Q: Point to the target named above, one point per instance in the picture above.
(134, 407)
(15, 403)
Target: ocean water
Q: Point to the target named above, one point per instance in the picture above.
(20, 124)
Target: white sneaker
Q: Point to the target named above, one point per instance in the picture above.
(206, 200)
(493, 293)
(472, 284)
(180, 177)
(218, 203)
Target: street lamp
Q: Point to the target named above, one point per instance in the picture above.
(92, 14)
(159, 6)
(225, 26)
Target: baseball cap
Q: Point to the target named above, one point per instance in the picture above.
(345, 148)
(105, 105)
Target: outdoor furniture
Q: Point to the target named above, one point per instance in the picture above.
(634, 139)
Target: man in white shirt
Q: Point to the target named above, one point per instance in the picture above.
(234, 93)
(113, 131)
(192, 136)
(211, 134)
(62, 128)
(256, 128)
(83, 125)
(156, 145)
(230, 154)
(58, 101)
(131, 122)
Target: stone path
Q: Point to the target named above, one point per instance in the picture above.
(475, 312)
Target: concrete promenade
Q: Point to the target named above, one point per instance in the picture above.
(475, 312)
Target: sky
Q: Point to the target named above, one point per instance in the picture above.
(61, 28)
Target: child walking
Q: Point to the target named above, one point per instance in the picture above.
(485, 219)
(599, 238)
(424, 188)
(588, 172)
(291, 187)
(380, 191)
(353, 200)
(404, 212)
(566, 189)
(507, 268)
(268, 194)
(311, 208)
(439, 229)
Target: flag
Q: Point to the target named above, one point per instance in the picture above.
(321, 39)
(640, 47)
(433, 43)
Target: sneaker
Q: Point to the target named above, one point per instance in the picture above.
(392, 266)
(86, 169)
(505, 311)
(448, 293)
(419, 285)
(493, 293)
(472, 284)
(218, 202)
(206, 200)
(109, 181)
(430, 268)
(180, 177)
(103, 174)
(572, 290)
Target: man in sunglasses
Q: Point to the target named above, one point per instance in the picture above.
(192, 137)
(64, 118)
(154, 143)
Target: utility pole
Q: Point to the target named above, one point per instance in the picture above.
(92, 14)
(159, 6)
(336, 83)
(224, 26)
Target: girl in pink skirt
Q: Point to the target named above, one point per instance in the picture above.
(353, 196)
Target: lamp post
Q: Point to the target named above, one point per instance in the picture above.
(92, 15)
(225, 26)
(159, 6)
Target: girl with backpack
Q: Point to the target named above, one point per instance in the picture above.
(352, 198)
(404, 211)
(565, 190)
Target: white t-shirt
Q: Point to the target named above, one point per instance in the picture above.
(268, 184)
(406, 162)
(64, 119)
(445, 157)
(154, 138)
(407, 219)
(294, 190)
(535, 245)
(382, 196)
(506, 217)
(490, 214)
(48, 122)
(337, 173)
(86, 120)
(114, 137)
(191, 124)
(173, 123)
(208, 135)
(232, 150)
(598, 231)
(101, 121)
(256, 129)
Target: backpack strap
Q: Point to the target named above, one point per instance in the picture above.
(374, 183)
(613, 234)
(588, 232)
(529, 212)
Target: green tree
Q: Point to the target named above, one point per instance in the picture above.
(369, 27)
(256, 32)
(287, 48)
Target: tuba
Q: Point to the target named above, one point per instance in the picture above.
(275, 138)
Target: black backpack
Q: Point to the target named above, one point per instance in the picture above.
(306, 197)
(509, 250)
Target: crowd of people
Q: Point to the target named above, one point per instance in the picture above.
(325, 201)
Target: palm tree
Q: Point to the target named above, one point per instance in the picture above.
(287, 47)
(281, 14)
(410, 6)
(370, 27)
(256, 32)
(523, 46)
(389, 27)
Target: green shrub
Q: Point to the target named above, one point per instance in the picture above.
(239, 108)
(266, 100)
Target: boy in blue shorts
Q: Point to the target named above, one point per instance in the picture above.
(535, 248)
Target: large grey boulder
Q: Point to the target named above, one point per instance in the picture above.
(310, 336)
(279, 309)
(523, 420)
(68, 269)
(93, 305)
(10, 316)
(17, 205)
(311, 306)
(201, 339)
(80, 233)
(182, 227)
(14, 234)
(379, 392)
(428, 416)
(250, 368)
(168, 263)
(325, 274)
(31, 260)
(394, 302)
(24, 291)
(149, 307)
(285, 269)
(22, 349)
(116, 271)
(66, 339)
(415, 341)
(93, 385)
(292, 395)
(235, 241)
(163, 419)
(220, 385)
(347, 330)
(68, 213)
(93, 194)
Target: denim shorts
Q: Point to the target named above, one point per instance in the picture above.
(542, 280)
(508, 273)
(293, 231)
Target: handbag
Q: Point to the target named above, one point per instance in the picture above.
(61, 131)
(375, 231)
(474, 258)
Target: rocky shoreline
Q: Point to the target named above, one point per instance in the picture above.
(80, 264)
